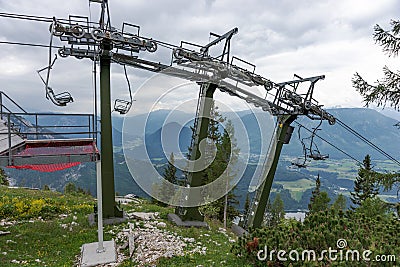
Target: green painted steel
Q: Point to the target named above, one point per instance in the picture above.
(196, 178)
(255, 220)
(107, 161)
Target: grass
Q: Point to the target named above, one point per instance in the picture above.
(56, 240)
(298, 187)
(50, 242)
(217, 242)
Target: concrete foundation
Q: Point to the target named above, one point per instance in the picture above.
(90, 256)
(176, 220)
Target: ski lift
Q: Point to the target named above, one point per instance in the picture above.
(123, 106)
(61, 99)
(301, 162)
(315, 154)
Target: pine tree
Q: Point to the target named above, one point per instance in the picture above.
(221, 149)
(268, 214)
(69, 188)
(340, 203)
(277, 210)
(3, 178)
(246, 205)
(319, 200)
(166, 191)
(387, 90)
(364, 186)
(315, 193)
(229, 155)
(321, 203)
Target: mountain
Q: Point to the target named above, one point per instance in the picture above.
(369, 123)
(174, 138)
(337, 172)
(153, 121)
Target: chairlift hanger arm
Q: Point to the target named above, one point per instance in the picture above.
(123, 106)
(313, 79)
(61, 99)
(226, 36)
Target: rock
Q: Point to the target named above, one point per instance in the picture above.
(145, 216)
(124, 246)
(162, 224)
(130, 196)
(4, 233)
(131, 242)
(190, 240)
(168, 254)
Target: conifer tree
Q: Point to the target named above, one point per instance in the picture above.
(364, 186)
(221, 149)
(3, 178)
(166, 191)
(246, 205)
(340, 203)
(387, 90)
(319, 200)
(277, 210)
(315, 193)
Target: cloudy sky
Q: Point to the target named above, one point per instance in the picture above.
(306, 37)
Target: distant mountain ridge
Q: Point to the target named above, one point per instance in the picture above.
(371, 124)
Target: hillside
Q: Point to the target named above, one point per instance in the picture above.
(47, 229)
(337, 173)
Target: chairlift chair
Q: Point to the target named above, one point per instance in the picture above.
(61, 99)
(299, 163)
(316, 155)
(123, 106)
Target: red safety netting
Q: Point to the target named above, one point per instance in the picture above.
(47, 149)
(46, 167)
(58, 148)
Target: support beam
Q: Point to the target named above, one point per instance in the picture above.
(201, 132)
(260, 203)
(107, 158)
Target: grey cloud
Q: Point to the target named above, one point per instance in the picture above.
(282, 37)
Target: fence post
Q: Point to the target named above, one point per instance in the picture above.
(9, 139)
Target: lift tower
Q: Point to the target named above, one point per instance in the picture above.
(282, 100)
(78, 31)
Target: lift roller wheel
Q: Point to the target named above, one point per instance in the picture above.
(307, 105)
(117, 37)
(98, 34)
(134, 42)
(62, 52)
(151, 46)
(178, 53)
(77, 31)
(268, 86)
(56, 29)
